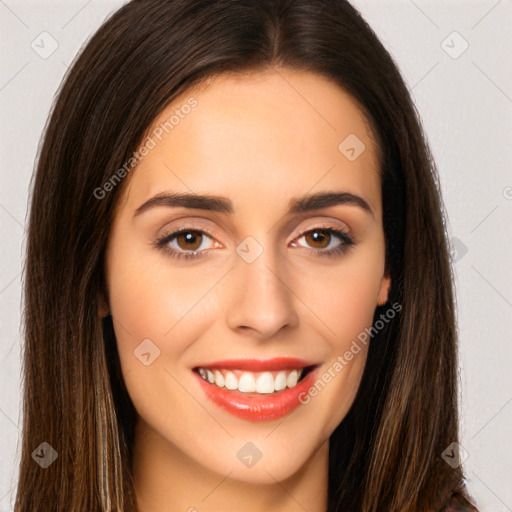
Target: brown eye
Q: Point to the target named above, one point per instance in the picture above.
(327, 242)
(319, 238)
(186, 243)
(189, 240)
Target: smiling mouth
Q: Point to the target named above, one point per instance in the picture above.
(257, 390)
(250, 383)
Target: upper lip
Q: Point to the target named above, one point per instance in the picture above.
(258, 365)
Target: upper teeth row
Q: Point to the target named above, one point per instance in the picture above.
(250, 382)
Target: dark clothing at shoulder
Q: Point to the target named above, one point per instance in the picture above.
(458, 503)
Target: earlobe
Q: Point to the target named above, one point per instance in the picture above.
(103, 309)
(384, 291)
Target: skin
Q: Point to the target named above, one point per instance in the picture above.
(258, 139)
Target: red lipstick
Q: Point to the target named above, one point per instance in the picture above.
(258, 365)
(258, 407)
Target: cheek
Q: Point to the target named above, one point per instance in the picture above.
(158, 313)
(149, 301)
(345, 297)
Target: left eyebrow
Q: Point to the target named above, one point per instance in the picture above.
(222, 204)
(326, 199)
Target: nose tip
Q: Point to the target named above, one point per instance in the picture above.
(261, 300)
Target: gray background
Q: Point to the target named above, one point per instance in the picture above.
(465, 101)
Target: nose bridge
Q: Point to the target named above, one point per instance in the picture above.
(261, 298)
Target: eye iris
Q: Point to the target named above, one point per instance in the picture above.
(189, 237)
(319, 236)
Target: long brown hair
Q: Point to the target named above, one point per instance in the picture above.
(386, 453)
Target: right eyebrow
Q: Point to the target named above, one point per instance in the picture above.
(188, 200)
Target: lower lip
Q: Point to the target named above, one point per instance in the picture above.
(258, 408)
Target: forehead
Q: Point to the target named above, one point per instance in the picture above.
(269, 135)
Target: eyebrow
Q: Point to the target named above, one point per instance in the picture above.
(222, 204)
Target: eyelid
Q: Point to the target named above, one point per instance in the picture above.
(189, 227)
(319, 223)
(162, 239)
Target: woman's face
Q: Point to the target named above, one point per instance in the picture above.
(256, 275)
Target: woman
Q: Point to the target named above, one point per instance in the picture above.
(238, 290)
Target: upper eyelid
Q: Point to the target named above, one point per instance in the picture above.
(317, 224)
(174, 232)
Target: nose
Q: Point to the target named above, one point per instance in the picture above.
(261, 300)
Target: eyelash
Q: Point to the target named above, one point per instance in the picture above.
(344, 237)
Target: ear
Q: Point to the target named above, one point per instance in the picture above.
(103, 309)
(384, 291)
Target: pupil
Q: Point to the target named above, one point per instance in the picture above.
(318, 236)
(191, 237)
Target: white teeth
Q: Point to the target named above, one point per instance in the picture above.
(249, 382)
(230, 381)
(246, 383)
(219, 378)
(265, 383)
(292, 379)
(280, 383)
